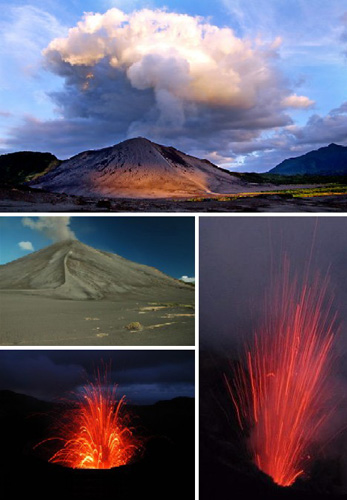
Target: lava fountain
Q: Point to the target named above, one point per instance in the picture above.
(94, 430)
(281, 392)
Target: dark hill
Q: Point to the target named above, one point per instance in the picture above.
(25, 166)
(329, 160)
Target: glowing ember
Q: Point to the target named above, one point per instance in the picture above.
(93, 430)
(281, 393)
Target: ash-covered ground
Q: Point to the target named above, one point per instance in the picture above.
(72, 294)
(35, 200)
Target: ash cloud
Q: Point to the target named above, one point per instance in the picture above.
(54, 228)
(178, 80)
(162, 75)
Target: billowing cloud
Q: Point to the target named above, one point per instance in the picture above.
(178, 80)
(180, 54)
(26, 245)
(54, 228)
(171, 77)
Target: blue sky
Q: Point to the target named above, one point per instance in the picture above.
(166, 243)
(246, 84)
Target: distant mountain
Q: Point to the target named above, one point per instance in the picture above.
(329, 160)
(136, 168)
(24, 166)
(15, 404)
(72, 270)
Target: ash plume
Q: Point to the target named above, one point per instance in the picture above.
(54, 228)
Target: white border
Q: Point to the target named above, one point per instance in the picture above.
(197, 216)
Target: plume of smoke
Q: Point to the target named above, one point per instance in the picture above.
(175, 64)
(54, 228)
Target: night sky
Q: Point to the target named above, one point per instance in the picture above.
(240, 255)
(145, 376)
(240, 258)
(166, 243)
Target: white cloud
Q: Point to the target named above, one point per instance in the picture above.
(26, 245)
(187, 279)
(297, 101)
(174, 78)
(182, 55)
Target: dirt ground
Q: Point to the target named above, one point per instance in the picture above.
(30, 200)
(32, 320)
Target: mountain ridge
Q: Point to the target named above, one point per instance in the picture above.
(327, 160)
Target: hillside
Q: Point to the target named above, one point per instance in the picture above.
(137, 168)
(329, 160)
(24, 166)
(73, 270)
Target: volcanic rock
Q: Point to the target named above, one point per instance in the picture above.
(137, 168)
(72, 270)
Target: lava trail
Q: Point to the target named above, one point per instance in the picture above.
(281, 391)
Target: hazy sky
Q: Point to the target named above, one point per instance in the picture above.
(241, 256)
(243, 83)
(144, 377)
(166, 243)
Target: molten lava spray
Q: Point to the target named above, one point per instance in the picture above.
(281, 394)
(93, 430)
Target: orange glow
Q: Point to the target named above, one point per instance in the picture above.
(281, 393)
(94, 432)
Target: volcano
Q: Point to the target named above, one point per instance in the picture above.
(72, 270)
(137, 168)
(168, 427)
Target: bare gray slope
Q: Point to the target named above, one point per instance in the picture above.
(137, 168)
(73, 270)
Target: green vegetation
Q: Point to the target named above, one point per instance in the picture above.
(171, 304)
(324, 190)
(134, 326)
(278, 179)
(25, 166)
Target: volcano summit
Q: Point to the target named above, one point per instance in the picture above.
(72, 293)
